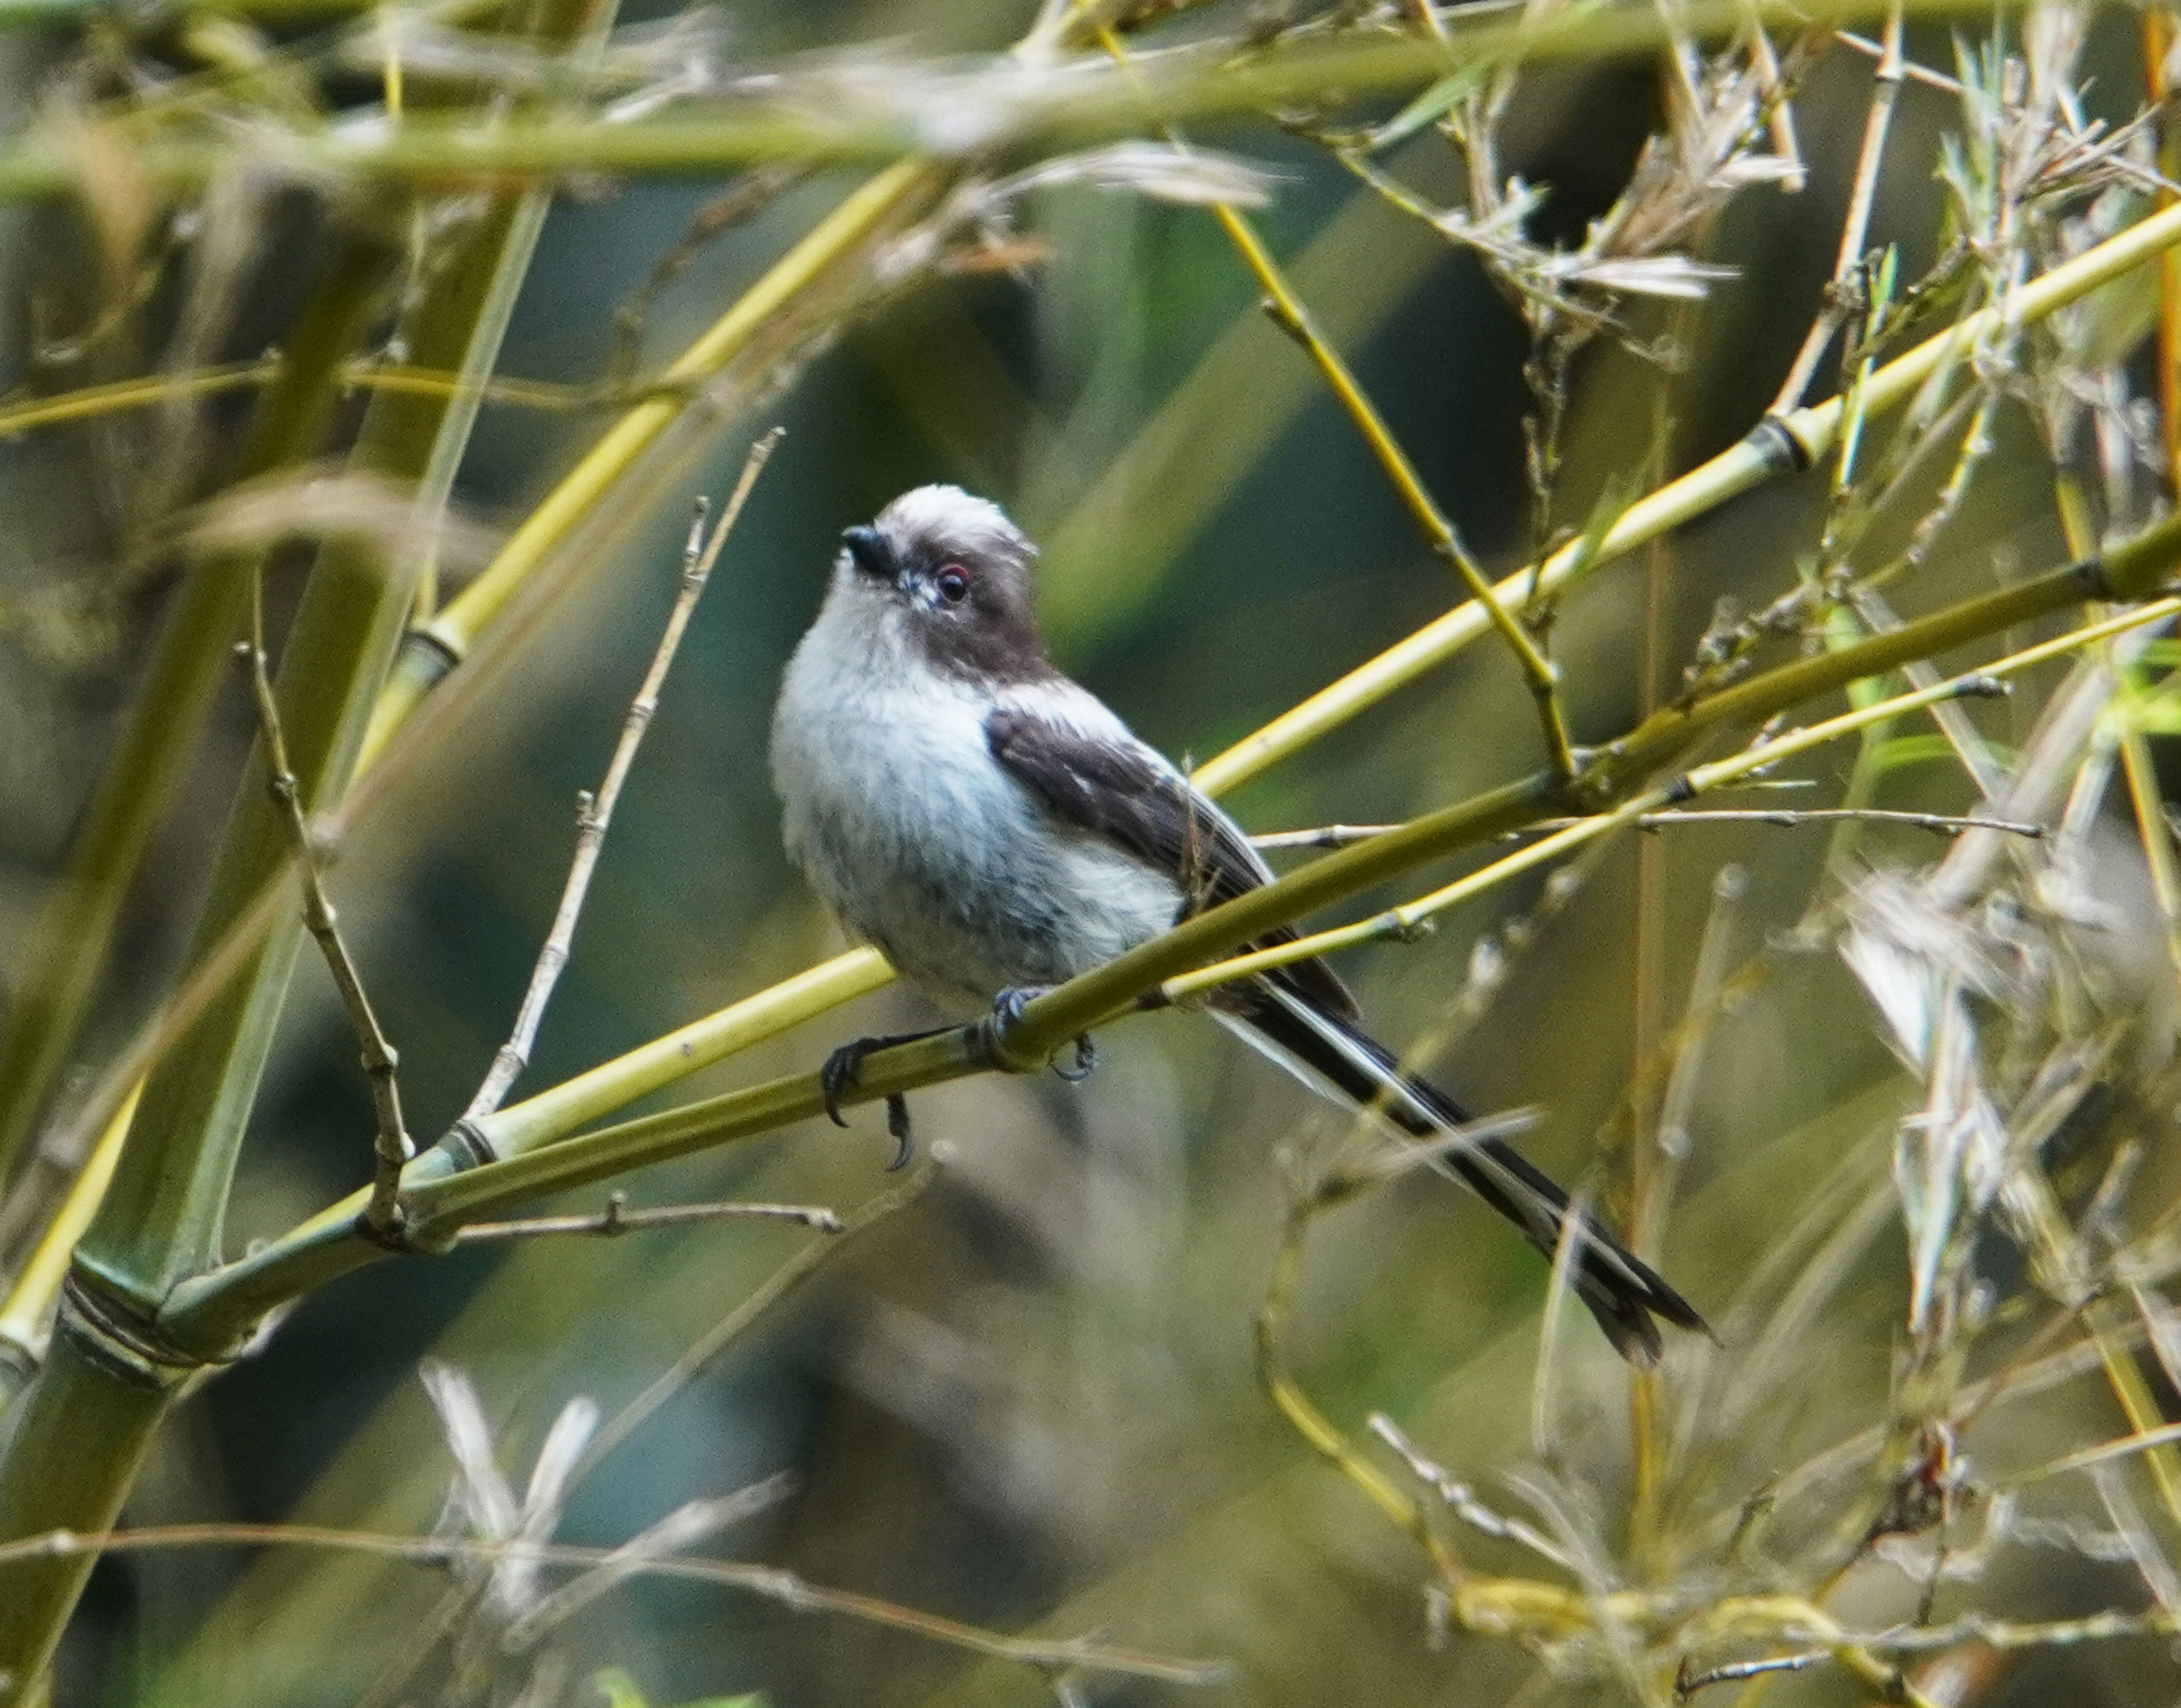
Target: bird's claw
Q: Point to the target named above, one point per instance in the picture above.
(896, 1109)
(1086, 1058)
(1008, 1007)
(1006, 1014)
(837, 1077)
(990, 1040)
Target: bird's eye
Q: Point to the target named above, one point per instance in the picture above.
(952, 583)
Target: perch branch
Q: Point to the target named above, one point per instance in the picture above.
(447, 1185)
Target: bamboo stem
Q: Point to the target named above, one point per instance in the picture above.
(210, 1309)
(448, 638)
(1878, 119)
(69, 944)
(76, 1437)
(1194, 80)
(26, 1311)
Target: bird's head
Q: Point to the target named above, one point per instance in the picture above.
(948, 575)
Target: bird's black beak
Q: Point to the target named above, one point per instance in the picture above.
(873, 555)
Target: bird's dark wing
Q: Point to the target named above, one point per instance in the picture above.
(1304, 1018)
(1125, 795)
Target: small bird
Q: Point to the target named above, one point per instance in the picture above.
(994, 829)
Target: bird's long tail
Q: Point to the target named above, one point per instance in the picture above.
(1336, 1058)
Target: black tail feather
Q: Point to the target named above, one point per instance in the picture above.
(1331, 1053)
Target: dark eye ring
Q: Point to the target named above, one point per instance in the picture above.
(953, 584)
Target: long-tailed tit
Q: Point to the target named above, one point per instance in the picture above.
(993, 828)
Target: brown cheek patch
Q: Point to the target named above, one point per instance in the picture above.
(972, 642)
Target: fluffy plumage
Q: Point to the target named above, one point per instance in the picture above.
(988, 824)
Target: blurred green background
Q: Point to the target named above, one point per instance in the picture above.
(1028, 1398)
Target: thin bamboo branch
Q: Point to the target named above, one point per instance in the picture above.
(1912, 70)
(970, 112)
(1687, 1682)
(616, 1218)
(1460, 1500)
(1786, 818)
(772, 1582)
(1302, 1414)
(87, 403)
(2126, 1445)
(453, 630)
(1292, 317)
(2158, 31)
(1670, 1141)
(481, 354)
(1940, 823)
(114, 397)
(1325, 836)
(212, 1309)
(1885, 92)
(2155, 835)
(594, 813)
(699, 1355)
(391, 1145)
(26, 1312)
(1775, 450)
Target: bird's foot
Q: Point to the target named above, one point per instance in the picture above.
(837, 1077)
(992, 1041)
(905, 1146)
(1008, 1007)
(1006, 1014)
(1086, 1058)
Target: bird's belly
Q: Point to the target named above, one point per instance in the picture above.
(944, 863)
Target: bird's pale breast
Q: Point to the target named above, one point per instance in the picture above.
(921, 844)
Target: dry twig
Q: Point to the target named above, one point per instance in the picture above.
(785, 1589)
(594, 813)
(391, 1146)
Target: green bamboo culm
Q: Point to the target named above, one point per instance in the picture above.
(78, 1433)
(68, 944)
(76, 1438)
